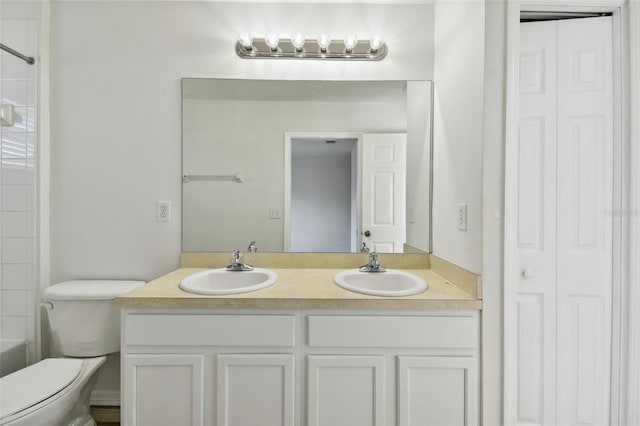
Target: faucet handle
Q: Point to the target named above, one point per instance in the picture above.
(236, 262)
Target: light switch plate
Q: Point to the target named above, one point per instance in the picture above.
(274, 213)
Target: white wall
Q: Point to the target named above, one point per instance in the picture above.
(321, 204)
(492, 208)
(457, 130)
(116, 70)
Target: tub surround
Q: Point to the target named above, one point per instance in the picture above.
(305, 281)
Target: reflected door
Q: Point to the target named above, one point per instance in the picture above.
(384, 168)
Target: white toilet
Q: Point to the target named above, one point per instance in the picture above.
(85, 325)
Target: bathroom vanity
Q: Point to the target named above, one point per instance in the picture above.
(301, 352)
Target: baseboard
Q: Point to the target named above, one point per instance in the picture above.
(109, 398)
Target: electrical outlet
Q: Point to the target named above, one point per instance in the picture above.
(461, 217)
(163, 211)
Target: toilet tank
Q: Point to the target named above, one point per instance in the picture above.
(84, 319)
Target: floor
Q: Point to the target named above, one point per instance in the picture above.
(106, 416)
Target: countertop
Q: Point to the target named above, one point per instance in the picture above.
(298, 288)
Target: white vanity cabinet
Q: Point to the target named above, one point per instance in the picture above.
(398, 367)
(299, 367)
(192, 367)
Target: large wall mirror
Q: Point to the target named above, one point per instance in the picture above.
(306, 166)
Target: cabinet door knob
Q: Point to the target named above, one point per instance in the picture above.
(527, 273)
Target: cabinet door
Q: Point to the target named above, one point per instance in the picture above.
(345, 390)
(255, 390)
(439, 391)
(163, 390)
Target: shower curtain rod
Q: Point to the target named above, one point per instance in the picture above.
(27, 59)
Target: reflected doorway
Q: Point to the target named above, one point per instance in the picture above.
(323, 212)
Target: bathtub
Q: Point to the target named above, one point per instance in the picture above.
(13, 355)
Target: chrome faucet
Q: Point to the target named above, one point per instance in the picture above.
(236, 262)
(373, 265)
(364, 248)
(252, 247)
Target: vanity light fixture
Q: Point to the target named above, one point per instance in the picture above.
(323, 42)
(272, 41)
(297, 40)
(350, 41)
(297, 47)
(376, 43)
(245, 41)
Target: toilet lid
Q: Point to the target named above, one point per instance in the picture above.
(31, 385)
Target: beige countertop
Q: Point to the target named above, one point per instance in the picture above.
(298, 288)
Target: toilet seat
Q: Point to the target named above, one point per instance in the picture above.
(36, 383)
(89, 289)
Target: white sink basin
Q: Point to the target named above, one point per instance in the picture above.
(389, 283)
(221, 281)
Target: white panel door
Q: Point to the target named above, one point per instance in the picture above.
(345, 390)
(255, 390)
(562, 338)
(384, 169)
(535, 311)
(163, 390)
(437, 391)
(584, 252)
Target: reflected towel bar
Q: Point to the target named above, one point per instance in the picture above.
(237, 177)
(27, 59)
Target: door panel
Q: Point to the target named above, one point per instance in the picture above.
(585, 156)
(453, 402)
(163, 389)
(535, 314)
(255, 390)
(345, 390)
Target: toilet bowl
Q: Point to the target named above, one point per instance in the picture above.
(85, 325)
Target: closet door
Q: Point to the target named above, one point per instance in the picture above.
(563, 291)
(584, 237)
(534, 358)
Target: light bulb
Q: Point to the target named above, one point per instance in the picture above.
(272, 41)
(245, 40)
(376, 43)
(297, 40)
(350, 42)
(324, 41)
